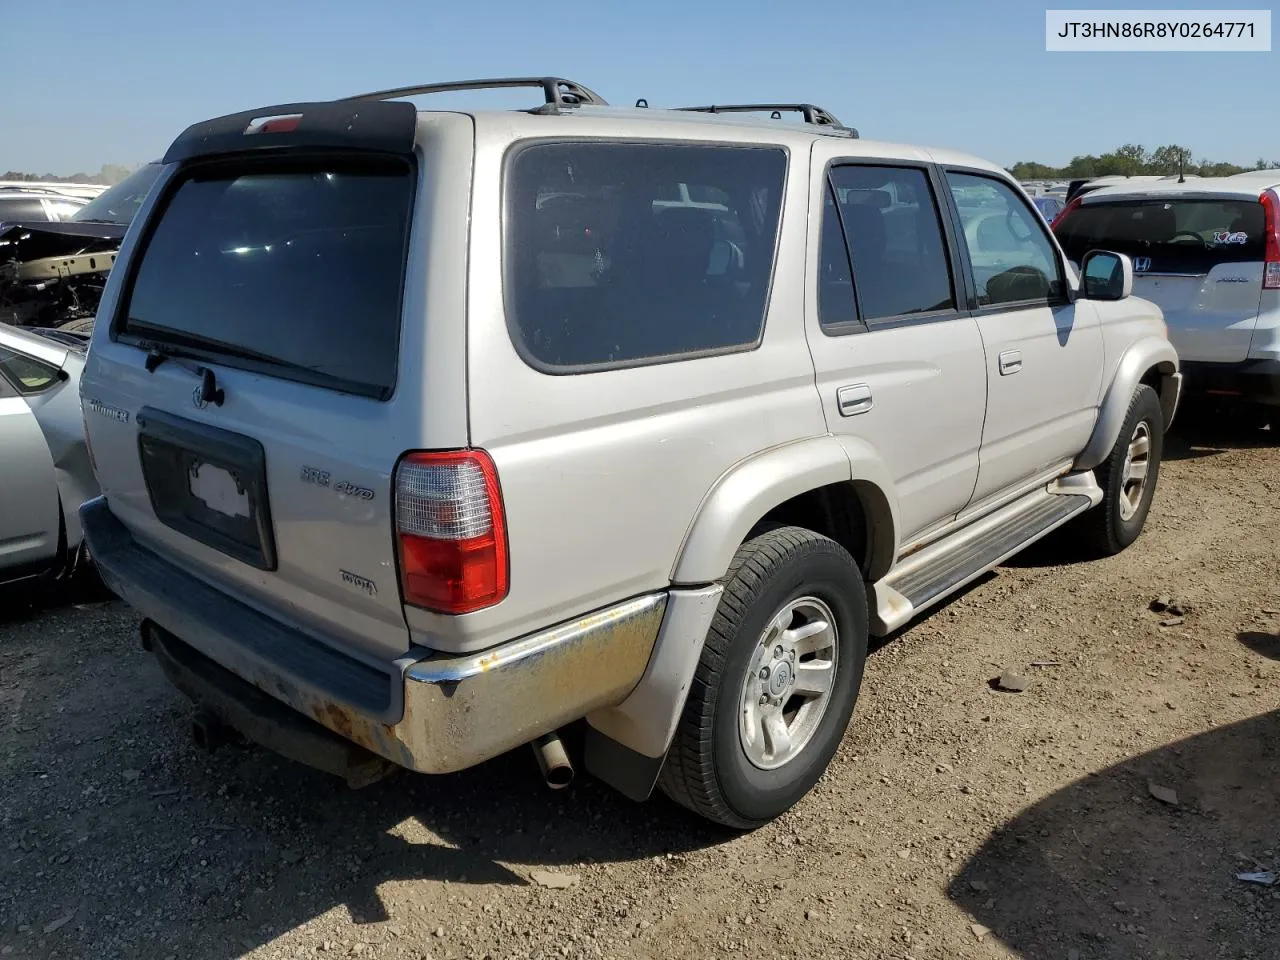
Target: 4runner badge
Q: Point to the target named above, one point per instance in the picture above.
(113, 413)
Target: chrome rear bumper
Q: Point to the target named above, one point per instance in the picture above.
(432, 713)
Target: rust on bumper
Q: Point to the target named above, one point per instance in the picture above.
(435, 715)
(463, 710)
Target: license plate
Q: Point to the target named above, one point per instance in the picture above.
(218, 490)
(208, 484)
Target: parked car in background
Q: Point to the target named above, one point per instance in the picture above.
(1049, 205)
(35, 204)
(45, 472)
(118, 203)
(1207, 252)
(52, 274)
(425, 467)
(85, 191)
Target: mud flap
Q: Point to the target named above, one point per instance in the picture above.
(630, 773)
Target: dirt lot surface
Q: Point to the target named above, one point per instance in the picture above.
(957, 821)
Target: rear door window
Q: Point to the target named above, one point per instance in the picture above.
(626, 253)
(892, 232)
(293, 271)
(1168, 236)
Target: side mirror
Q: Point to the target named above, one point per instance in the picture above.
(1106, 275)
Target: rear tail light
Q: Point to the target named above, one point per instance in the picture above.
(451, 531)
(1271, 211)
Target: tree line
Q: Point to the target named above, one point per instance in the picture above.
(1133, 160)
(110, 173)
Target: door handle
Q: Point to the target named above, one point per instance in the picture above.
(854, 399)
(1010, 362)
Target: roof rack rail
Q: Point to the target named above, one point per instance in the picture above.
(556, 91)
(811, 113)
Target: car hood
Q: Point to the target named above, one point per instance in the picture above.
(24, 241)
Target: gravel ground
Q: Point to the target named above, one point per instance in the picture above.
(957, 821)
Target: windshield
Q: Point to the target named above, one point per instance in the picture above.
(118, 204)
(1176, 236)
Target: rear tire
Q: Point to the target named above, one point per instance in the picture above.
(1128, 476)
(754, 736)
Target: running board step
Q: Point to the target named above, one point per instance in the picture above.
(944, 567)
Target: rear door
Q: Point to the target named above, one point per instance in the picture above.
(1198, 258)
(249, 404)
(29, 504)
(899, 363)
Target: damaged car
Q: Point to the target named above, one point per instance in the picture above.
(45, 470)
(52, 273)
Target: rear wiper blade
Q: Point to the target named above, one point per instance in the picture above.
(158, 353)
(174, 344)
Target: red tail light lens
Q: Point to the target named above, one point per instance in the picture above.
(1271, 211)
(451, 531)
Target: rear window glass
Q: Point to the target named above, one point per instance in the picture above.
(624, 253)
(295, 271)
(1179, 236)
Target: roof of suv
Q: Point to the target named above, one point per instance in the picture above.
(1243, 185)
(566, 105)
(687, 124)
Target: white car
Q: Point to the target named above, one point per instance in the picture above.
(45, 468)
(1207, 252)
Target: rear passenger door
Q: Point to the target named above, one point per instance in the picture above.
(1044, 353)
(899, 364)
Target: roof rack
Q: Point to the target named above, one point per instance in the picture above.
(556, 91)
(810, 112)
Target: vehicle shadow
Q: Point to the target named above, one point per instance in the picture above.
(1205, 430)
(1264, 644)
(1104, 870)
(106, 795)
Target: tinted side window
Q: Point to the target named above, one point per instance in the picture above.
(894, 236)
(21, 208)
(1012, 257)
(604, 264)
(25, 375)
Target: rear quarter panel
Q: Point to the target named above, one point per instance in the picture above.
(602, 473)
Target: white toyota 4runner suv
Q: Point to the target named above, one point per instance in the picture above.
(422, 435)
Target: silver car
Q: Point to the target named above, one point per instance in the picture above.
(446, 430)
(45, 469)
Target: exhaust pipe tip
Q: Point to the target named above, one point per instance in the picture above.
(553, 761)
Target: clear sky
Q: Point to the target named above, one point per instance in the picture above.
(89, 83)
